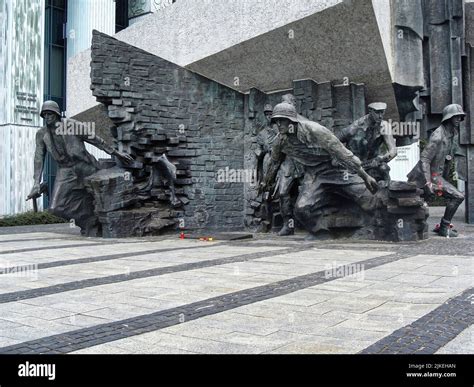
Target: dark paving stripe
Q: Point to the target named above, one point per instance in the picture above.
(99, 258)
(327, 246)
(430, 332)
(29, 249)
(433, 246)
(73, 238)
(104, 333)
(87, 283)
(60, 228)
(34, 239)
(96, 243)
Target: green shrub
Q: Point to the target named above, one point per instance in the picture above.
(30, 218)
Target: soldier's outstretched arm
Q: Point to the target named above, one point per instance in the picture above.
(332, 144)
(99, 143)
(102, 145)
(327, 140)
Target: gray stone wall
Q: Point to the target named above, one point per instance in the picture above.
(159, 107)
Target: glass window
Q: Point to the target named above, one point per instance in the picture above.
(59, 3)
(121, 15)
(57, 27)
(47, 27)
(54, 64)
(57, 71)
(46, 70)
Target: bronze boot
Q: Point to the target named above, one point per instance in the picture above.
(287, 229)
(445, 229)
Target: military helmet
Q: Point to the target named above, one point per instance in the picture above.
(378, 106)
(268, 108)
(289, 98)
(452, 110)
(285, 110)
(50, 106)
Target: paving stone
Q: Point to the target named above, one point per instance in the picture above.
(370, 325)
(105, 349)
(127, 276)
(353, 334)
(80, 321)
(435, 329)
(6, 325)
(319, 345)
(258, 310)
(264, 343)
(461, 344)
(415, 279)
(351, 304)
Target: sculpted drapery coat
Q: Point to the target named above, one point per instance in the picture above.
(69, 198)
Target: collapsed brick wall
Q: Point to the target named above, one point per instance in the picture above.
(331, 105)
(159, 107)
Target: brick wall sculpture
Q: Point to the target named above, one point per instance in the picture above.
(161, 108)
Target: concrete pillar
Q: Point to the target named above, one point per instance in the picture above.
(83, 16)
(21, 94)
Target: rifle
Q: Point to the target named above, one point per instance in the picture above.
(43, 190)
(373, 163)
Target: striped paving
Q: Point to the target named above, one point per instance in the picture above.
(133, 275)
(137, 297)
(432, 331)
(97, 252)
(83, 338)
(50, 245)
(261, 296)
(345, 315)
(100, 258)
(31, 236)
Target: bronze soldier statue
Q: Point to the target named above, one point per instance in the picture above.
(290, 173)
(314, 146)
(69, 199)
(371, 143)
(433, 170)
(265, 139)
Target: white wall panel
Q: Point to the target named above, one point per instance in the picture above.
(17, 148)
(96, 152)
(407, 158)
(21, 94)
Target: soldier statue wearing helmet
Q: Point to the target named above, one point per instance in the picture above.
(69, 199)
(368, 141)
(433, 170)
(289, 174)
(314, 147)
(265, 138)
(268, 111)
